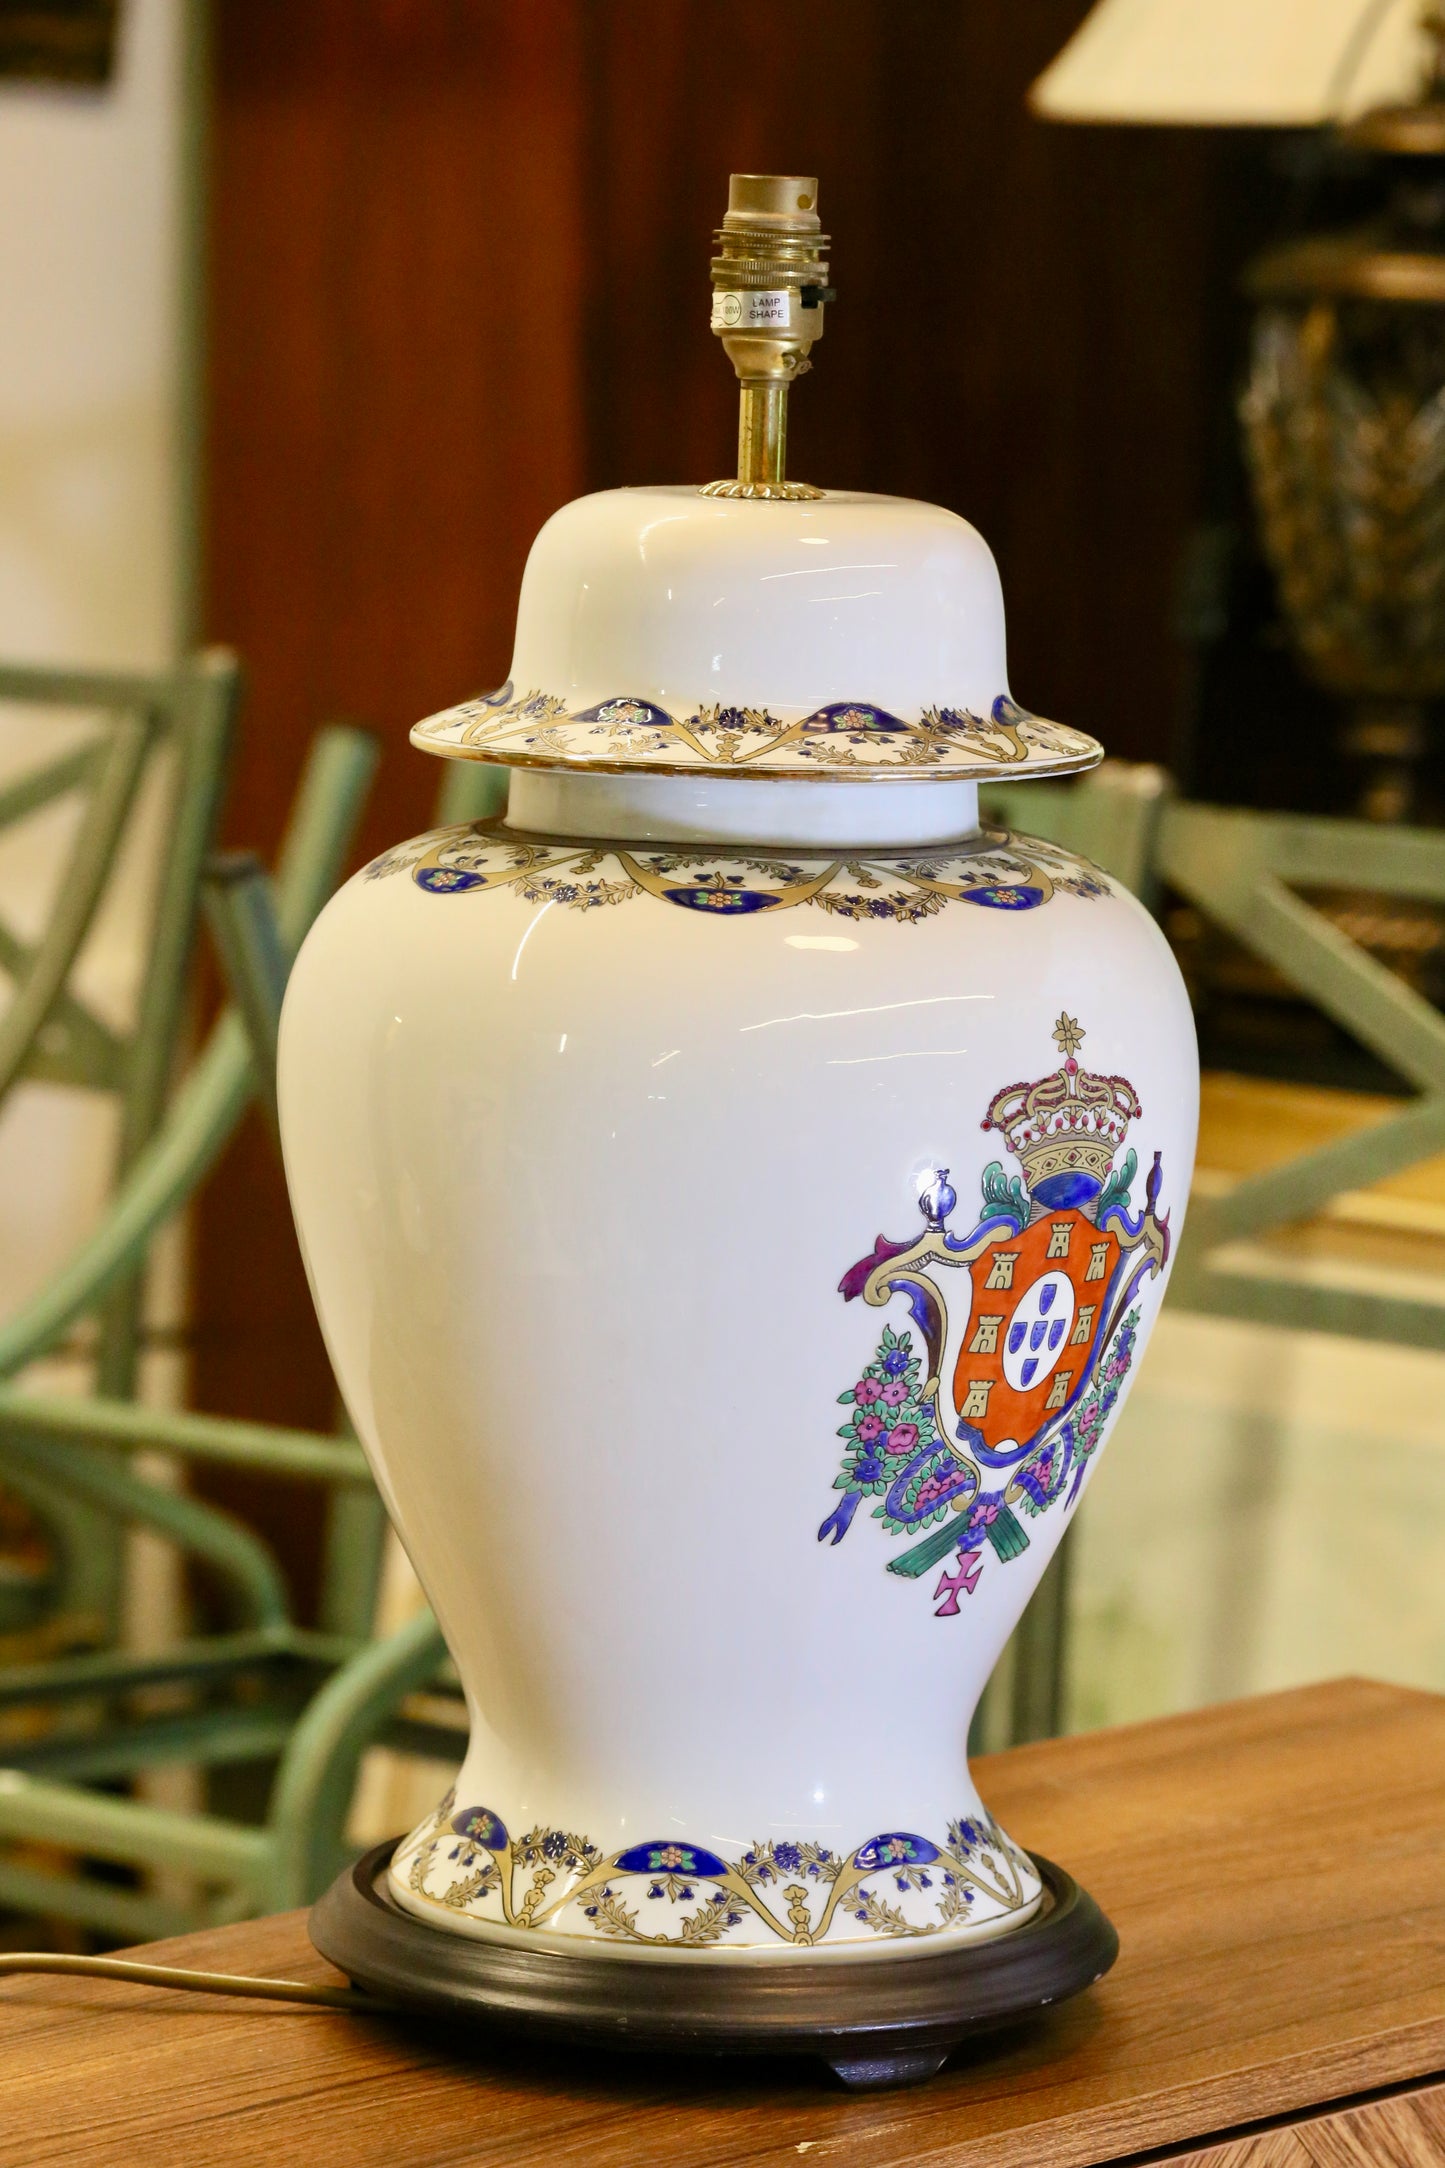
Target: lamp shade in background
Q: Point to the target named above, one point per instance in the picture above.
(1235, 63)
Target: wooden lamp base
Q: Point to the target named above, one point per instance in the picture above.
(889, 2020)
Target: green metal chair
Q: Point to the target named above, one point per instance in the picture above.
(130, 734)
(101, 1716)
(136, 723)
(265, 1690)
(1246, 870)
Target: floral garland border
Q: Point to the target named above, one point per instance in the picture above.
(626, 731)
(487, 855)
(900, 1460)
(820, 1888)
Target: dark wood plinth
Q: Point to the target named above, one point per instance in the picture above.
(889, 2019)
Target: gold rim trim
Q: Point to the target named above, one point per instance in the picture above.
(965, 772)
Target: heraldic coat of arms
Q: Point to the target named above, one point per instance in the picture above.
(986, 1411)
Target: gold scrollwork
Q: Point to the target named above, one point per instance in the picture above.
(996, 870)
(565, 1870)
(538, 728)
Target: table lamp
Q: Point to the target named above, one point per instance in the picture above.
(736, 1185)
(1343, 413)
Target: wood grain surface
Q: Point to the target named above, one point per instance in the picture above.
(1402, 2130)
(1275, 1867)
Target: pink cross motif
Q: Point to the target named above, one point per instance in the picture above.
(963, 1583)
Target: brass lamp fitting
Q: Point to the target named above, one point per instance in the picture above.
(770, 284)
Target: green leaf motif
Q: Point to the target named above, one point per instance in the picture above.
(1003, 1193)
(1116, 1189)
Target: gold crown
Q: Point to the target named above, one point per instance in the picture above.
(1065, 1129)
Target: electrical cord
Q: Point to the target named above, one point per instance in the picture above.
(204, 1983)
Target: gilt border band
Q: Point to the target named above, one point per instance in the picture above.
(667, 1894)
(999, 873)
(846, 740)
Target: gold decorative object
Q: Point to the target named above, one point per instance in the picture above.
(1344, 427)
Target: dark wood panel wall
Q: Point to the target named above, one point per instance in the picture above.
(1028, 316)
(458, 273)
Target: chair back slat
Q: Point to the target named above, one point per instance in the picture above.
(1245, 871)
(1110, 817)
(206, 696)
(48, 1031)
(117, 774)
(186, 714)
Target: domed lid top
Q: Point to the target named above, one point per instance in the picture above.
(758, 625)
(676, 631)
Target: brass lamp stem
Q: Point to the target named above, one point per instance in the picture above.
(769, 291)
(763, 436)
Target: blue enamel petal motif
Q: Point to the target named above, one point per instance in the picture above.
(896, 1848)
(483, 1827)
(727, 902)
(446, 880)
(850, 716)
(1022, 897)
(626, 713)
(666, 1856)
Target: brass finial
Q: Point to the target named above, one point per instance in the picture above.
(770, 283)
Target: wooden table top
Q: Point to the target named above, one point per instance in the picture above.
(1275, 1867)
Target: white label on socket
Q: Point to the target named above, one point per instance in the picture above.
(752, 310)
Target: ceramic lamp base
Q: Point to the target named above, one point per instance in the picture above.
(883, 2021)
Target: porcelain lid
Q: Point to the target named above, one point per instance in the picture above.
(668, 631)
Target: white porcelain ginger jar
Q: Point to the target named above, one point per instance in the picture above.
(737, 1188)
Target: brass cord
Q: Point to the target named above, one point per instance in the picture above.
(203, 1983)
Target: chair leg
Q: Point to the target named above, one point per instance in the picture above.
(86, 1586)
(1040, 1654)
(314, 1785)
(1025, 1697)
(355, 1540)
(253, 957)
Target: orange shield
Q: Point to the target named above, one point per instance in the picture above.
(1037, 1311)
